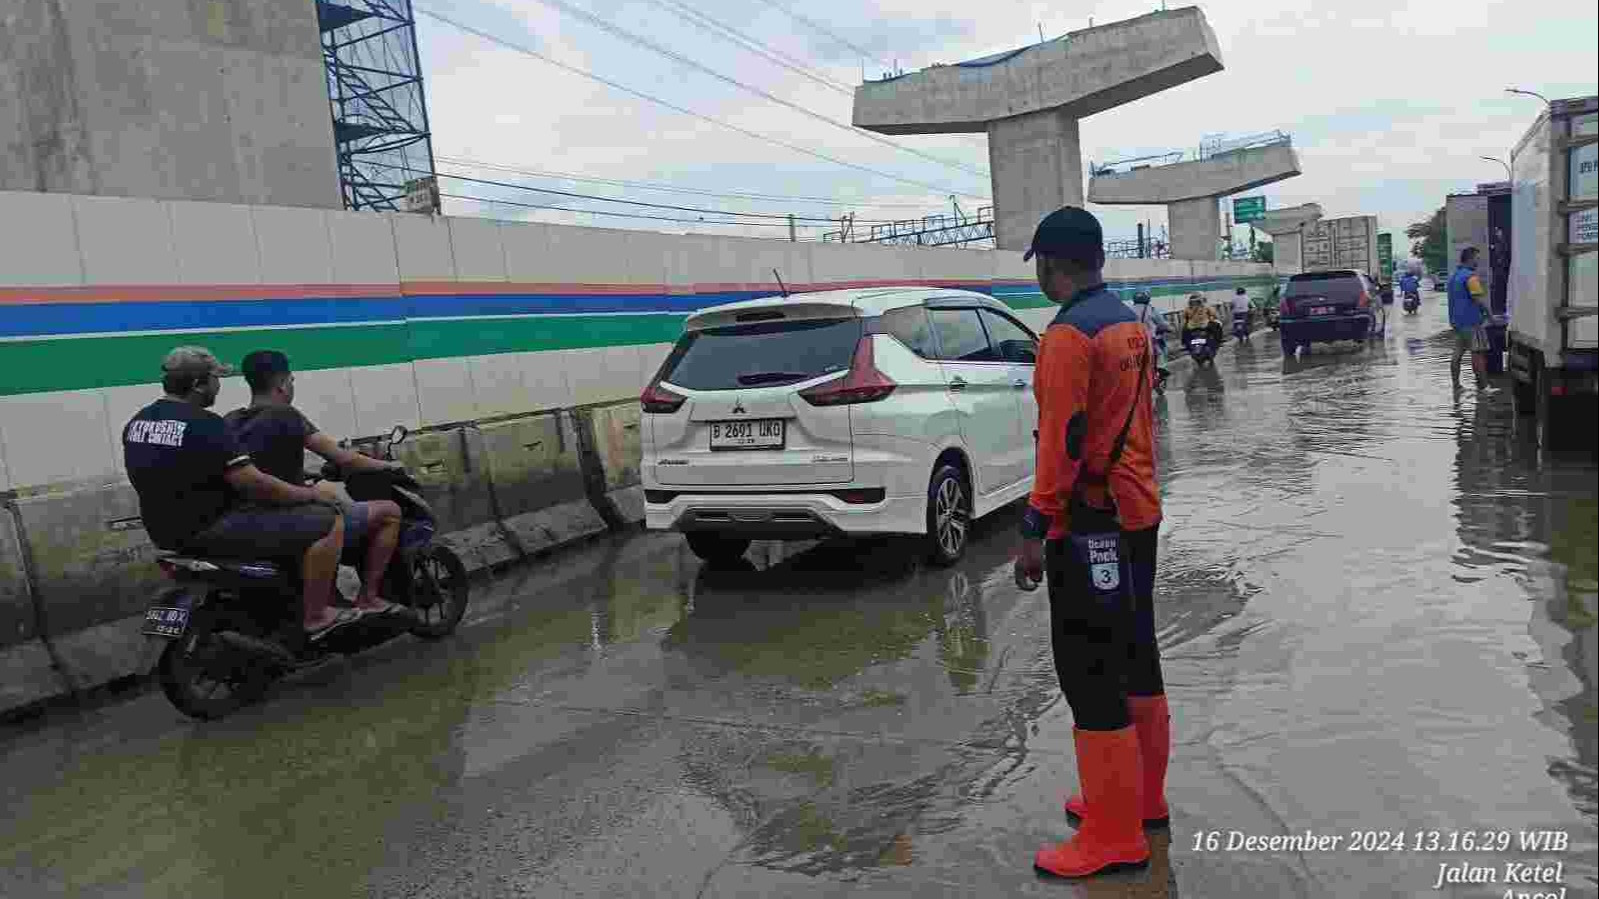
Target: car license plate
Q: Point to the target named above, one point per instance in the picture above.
(760, 433)
(165, 622)
(1321, 310)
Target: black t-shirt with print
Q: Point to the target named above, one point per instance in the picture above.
(274, 436)
(176, 455)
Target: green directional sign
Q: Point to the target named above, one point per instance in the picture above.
(1249, 209)
(1385, 253)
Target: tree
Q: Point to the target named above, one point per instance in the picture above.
(1264, 252)
(1431, 242)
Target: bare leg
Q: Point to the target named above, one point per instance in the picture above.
(1479, 368)
(317, 568)
(383, 534)
(1454, 362)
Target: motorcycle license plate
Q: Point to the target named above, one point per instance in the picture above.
(166, 622)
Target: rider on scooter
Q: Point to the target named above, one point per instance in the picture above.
(190, 474)
(1410, 285)
(277, 435)
(1156, 323)
(1241, 309)
(1200, 317)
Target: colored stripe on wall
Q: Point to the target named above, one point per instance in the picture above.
(108, 337)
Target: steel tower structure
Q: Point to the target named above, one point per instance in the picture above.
(380, 120)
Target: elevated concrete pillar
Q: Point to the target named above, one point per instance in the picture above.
(1195, 227)
(1192, 191)
(1029, 102)
(1287, 229)
(1034, 163)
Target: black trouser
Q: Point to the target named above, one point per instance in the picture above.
(1103, 652)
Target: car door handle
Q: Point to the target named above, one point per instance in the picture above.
(957, 383)
(1019, 384)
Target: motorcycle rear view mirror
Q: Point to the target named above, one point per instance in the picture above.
(398, 435)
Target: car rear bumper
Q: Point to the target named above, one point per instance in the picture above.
(1328, 327)
(784, 515)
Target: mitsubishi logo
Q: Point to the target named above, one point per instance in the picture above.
(738, 407)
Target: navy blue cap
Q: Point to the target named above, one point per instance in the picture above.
(1070, 231)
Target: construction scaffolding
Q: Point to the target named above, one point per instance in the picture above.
(957, 229)
(380, 122)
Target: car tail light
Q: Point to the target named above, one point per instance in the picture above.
(1285, 307)
(863, 384)
(657, 400)
(1364, 300)
(861, 496)
(1557, 389)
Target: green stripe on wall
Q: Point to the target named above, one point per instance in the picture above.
(83, 363)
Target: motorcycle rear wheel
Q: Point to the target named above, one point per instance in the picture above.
(205, 680)
(439, 591)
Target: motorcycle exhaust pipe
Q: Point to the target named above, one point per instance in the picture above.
(258, 647)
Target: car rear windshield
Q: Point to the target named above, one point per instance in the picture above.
(1338, 286)
(764, 354)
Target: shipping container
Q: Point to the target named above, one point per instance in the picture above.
(1341, 243)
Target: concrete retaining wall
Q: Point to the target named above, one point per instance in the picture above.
(515, 350)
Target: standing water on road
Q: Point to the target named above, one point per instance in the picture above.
(1377, 604)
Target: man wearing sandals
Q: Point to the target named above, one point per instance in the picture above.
(199, 493)
(277, 435)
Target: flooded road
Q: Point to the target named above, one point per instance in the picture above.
(1376, 600)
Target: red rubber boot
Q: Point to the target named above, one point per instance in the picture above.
(1151, 718)
(1111, 836)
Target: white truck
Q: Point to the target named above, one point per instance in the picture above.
(1341, 243)
(1553, 290)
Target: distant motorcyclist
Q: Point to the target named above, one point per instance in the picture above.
(1200, 318)
(200, 493)
(1158, 331)
(1241, 310)
(1410, 285)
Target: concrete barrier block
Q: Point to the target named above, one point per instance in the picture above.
(451, 468)
(94, 575)
(483, 546)
(555, 526)
(16, 606)
(27, 676)
(618, 442)
(533, 463)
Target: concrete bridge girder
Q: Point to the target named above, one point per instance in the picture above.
(1029, 102)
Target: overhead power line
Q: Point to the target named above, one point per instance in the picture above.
(622, 88)
(823, 29)
(735, 36)
(671, 188)
(784, 216)
(648, 44)
(628, 215)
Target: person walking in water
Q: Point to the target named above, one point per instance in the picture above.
(1090, 530)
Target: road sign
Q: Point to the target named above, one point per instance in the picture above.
(1385, 252)
(1249, 209)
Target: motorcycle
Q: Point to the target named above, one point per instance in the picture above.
(233, 627)
(1271, 315)
(1241, 326)
(1201, 347)
(1412, 301)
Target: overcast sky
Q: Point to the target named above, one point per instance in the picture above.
(1389, 104)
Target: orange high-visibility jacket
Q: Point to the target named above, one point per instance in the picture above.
(1086, 381)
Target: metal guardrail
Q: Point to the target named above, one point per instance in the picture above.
(1210, 147)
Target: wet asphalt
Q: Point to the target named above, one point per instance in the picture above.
(1376, 602)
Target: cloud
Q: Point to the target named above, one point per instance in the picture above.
(1390, 103)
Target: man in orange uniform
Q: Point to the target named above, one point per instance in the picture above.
(1096, 461)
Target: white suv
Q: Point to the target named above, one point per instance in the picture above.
(903, 410)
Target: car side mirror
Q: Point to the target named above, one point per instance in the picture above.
(398, 435)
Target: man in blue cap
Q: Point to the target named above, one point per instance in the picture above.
(1091, 523)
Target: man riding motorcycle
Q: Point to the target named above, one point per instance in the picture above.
(200, 493)
(1241, 311)
(1156, 323)
(1199, 317)
(277, 435)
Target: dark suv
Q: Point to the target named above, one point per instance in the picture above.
(1320, 307)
